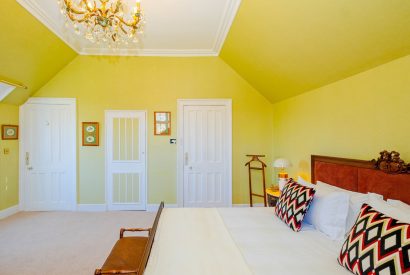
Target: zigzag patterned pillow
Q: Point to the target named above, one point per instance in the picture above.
(293, 204)
(377, 244)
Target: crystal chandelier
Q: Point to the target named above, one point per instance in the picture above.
(104, 21)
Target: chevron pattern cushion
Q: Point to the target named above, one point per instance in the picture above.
(293, 204)
(377, 244)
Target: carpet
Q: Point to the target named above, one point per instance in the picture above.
(62, 242)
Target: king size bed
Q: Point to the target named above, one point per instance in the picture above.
(244, 241)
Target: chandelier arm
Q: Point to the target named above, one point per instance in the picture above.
(122, 28)
(79, 20)
(131, 24)
(116, 8)
(72, 8)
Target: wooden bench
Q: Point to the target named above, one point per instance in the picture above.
(130, 254)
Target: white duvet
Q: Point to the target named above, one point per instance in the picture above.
(238, 241)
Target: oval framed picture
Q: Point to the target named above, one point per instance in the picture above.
(90, 133)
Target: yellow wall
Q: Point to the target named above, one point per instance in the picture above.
(154, 84)
(9, 114)
(354, 118)
(29, 51)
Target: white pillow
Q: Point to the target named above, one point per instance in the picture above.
(400, 211)
(328, 212)
(306, 183)
(399, 204)
(355, 203)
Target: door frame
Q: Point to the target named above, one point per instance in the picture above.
(72, 103)
(108, 192)
(181, 103)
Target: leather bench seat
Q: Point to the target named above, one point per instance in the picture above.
(125, 253)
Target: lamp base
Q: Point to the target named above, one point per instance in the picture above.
(282, 182)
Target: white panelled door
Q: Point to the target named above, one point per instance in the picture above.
(206, 151)
(126, 160)
(48, 154)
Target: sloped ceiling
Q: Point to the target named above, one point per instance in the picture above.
(29, 52)
(284, 48)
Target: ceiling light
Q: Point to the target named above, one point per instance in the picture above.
(104, 21)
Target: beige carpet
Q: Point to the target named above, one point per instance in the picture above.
(62, 242)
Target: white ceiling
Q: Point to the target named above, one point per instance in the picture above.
(173, 27)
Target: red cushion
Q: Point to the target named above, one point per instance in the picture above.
(377, 244)
(293, 204)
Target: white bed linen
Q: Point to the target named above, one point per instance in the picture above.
(194, 242)
(270, 247)
(236, 241)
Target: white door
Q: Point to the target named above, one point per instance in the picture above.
(126, 160)
(206, 143)
(48, 154)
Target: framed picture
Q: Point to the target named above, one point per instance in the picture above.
(9, 132)
(162, 123)
(91, 134)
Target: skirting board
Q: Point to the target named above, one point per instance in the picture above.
(9, 211)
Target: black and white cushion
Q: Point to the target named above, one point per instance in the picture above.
(377, 244)
(293, 204)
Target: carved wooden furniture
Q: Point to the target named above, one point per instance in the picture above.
(255, 159)
(390, 162)
(386, 176)
(130, 254)
(272, 196)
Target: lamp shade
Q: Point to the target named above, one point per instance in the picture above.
(281, 163)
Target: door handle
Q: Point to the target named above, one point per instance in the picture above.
(27, 158)
(30, 168)
(186, 159)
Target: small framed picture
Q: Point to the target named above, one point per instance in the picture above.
(9, 132)
(91, 134)
(162, 123)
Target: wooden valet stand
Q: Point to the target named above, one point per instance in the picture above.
(255, 160)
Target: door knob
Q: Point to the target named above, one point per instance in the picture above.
(29, 168)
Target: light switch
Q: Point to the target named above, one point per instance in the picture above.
(6, 151)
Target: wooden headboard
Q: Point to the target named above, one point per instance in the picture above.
(388, 176)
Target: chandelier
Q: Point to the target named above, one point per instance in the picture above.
(106, 21)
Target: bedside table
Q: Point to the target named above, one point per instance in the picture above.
(272, 197)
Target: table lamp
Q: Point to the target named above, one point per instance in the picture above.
(282, 163)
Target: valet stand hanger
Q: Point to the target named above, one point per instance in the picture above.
(255, 159)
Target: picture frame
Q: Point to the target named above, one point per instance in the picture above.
(91, 133)
(9, 132)
(162, 123)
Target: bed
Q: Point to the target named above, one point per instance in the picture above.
(254, 241)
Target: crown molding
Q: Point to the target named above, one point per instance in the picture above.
(230, 11)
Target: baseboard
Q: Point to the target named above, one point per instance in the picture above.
(9, 211)
(247, 205)
(91, 207)
(153, 207)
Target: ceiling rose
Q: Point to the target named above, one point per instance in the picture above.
(104, 21)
